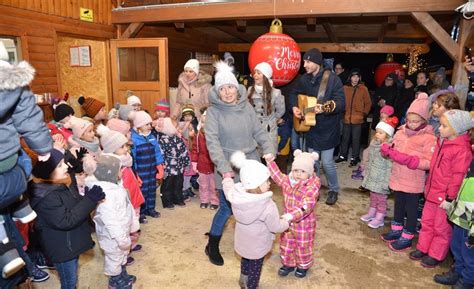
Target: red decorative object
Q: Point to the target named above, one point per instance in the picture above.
(387, 67)
(280, 51)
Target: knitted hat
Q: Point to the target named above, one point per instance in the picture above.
(441, 71)
(162, 105)
(140, 119)
(460, 120)
(90, 105)
(188, 108)
(132, 99)
(388, 109)
(108, 168)
(3, 52)
(124, 111)
(412, 78)
(43, 170)
(388, 125)
(110, 140)
(192, 64)
(314, 55)
(420, 106)
(265, 69)
(252, 173)
(62, 111)
(119, 125)
(228, 56)
(355, 71)
(166, 126)
(78, 126)
(392, 75)
(224, 75)
(304, 161)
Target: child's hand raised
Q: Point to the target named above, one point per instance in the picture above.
(287, 217)
(269, 158)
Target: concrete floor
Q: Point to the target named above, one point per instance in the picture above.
(348, 254)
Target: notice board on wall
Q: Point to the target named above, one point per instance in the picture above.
(80, 55)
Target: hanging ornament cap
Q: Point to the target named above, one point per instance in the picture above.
(389, 57)
(276, 26)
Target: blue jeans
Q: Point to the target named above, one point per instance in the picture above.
(327, 158)
(463, 256)
(221, 216)
(295, 140)
(68, 273)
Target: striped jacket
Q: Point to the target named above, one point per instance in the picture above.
(142, 143)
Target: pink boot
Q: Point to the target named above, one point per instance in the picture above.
(370, 215)
(378, 221)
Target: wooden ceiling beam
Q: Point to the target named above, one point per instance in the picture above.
(339, 47)
(311, 24)
(330, 32)
(132, 30)
(285, 8)
(392, 22)
(437, 33)
(241, 25)
(233, 32)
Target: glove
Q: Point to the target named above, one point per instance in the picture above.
(81, 153)
(44, 158)
(411, 162)
(228, 175)
(139, 180)
(161, 172)
(385, 149)
(446, 205)
(95, 194)
(470, 242)
(124, 243)
(195, 166)
(287, 217)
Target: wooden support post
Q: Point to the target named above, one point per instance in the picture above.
(437, 33)
(132, 30)
(392, 22)
(459, 78)
(383, 30)
(311, 23)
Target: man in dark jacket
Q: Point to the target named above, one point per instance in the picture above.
(325, 135)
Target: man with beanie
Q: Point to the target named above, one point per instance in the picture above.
(325, 135)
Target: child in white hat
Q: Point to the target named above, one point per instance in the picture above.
(134, 101)
(256, 214)
(266, 100)
(300, 191)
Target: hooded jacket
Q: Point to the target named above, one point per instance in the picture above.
(232, 127)
(196, 92)
(377, 170)
(62, 223)
(450, 162)
(358, 103)
(19, 114)
(200, 155)
(257, 220)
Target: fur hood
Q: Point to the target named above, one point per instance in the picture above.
(202, 79)
(14, 76)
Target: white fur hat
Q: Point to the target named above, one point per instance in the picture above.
(252, 173)
(192, 64)
(265, 69)
(386, 128)
(224, 75)
(304, 161)
(133, 99)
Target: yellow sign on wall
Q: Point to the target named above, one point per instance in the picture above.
(86, 14)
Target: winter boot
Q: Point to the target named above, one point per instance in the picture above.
(38, 275)
(429, 262)
(10, 261)
(212, 250)
(354, 162)
(358, 174)
(417, 255)
(332, 198)
(403, 243)
(378, 221)
(460, 284)
(341, 159)
(394, 234)
(119, 282)
(369, 216)
(244, 279)
(301, 273)
(285, 270)
(447, 278)
(131, 278)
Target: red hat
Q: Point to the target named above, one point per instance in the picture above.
(388, 126)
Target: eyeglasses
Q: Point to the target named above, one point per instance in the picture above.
(414, 121)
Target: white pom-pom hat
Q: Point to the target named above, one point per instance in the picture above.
(224, 75)
(252, 173)
(304, 161)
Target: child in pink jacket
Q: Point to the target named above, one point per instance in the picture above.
(256, 215)
(300, 191)
(448, 167)
(411, 152)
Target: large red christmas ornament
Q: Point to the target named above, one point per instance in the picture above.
(386, 68)
(280, 51)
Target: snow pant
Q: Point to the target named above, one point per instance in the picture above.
(172, 190)
(148, 189)
(135, 235)
(252, 269)
(406, 204)
(207, 189)
(463, 256)
(351, 133)
(114, 257)
(186, 182)
(296, 244)
(435, 234)
(379, 202)
(222, 215)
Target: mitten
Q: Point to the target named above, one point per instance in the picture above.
(161, 172)
(95, 194)
(448, 206)
(411, 162)
(288, 217)
(195, 166)
(385, 149)
(81, 153)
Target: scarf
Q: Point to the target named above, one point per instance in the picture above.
(258, 89)
(126, 160)
(412, 132)
(90, 146)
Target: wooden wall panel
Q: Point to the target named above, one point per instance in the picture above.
(65, 8)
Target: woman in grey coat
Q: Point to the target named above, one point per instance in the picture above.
(267, 101)
(231, 125)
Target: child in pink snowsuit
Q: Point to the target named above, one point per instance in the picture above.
(300, 191)
(448, 167)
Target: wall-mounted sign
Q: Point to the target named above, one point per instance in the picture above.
(86, 14)
(80, 55)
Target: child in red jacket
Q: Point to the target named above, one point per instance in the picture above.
(448, 167)
(202, 163)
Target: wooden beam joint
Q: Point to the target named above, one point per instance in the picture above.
(311, 23)
(132, 30)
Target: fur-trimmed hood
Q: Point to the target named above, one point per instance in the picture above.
(14, 76)
(202, 79)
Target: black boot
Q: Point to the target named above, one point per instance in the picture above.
(131, 278)
(332, 198)
(212, 250)
(447, 278)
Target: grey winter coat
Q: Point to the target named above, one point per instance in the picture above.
(232, 127)
(19, 114)
(377, 171)
(269, 122)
